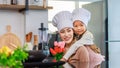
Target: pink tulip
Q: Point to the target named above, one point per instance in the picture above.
(55, 43)
(63, 44)
(59, 44)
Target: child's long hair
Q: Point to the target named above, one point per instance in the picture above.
(93, 46)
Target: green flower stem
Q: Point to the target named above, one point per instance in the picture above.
(58, 56)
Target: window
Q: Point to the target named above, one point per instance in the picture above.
(61, 6)
(83, 3)
(57, 7)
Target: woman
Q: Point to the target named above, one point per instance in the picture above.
(63, 22)
(80, 18)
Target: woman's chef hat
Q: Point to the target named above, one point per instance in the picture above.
(62, 19)
(82, 15)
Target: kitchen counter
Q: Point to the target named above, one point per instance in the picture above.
(49, 63)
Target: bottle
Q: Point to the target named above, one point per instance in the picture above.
(46, 50)
(35, 46)
(28, 41)
(13, 2)
(44, 3)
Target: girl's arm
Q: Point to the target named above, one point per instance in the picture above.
(87, 38)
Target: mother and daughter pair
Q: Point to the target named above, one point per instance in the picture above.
(79, 41)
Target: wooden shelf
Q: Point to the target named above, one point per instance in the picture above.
(20, 7)
(39, 7)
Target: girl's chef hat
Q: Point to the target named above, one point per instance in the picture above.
(62, 20)
(82, 15)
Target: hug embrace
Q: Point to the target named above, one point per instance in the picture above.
(79, 41)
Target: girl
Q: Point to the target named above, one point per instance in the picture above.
(63, 22)
(80, 19)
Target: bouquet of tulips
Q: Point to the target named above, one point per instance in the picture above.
(58, 50)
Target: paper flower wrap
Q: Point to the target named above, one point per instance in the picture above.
(58, 50)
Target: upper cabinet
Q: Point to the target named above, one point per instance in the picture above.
(21, 7)
(26, 6)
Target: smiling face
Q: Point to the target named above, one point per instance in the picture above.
(66, 35)
(79, 27)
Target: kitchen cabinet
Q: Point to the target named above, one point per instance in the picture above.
(22, 7)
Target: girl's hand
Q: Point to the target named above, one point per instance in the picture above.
(63, 59)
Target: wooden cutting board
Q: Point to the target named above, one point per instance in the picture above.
(9, 39)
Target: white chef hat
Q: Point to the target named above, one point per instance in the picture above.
(82, 15)
(62, 19)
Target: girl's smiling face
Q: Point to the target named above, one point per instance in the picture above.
(66, 35)
(79, 27)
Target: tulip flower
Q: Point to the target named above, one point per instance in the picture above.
(52, 51)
